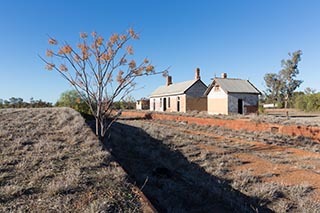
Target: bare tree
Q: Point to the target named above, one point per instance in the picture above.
(100, 71)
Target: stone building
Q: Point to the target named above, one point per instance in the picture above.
(231, 96)
(180, 97)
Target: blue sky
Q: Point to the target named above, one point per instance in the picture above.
(245, 39)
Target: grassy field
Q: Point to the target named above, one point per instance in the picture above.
(185, 167)
(50, 161)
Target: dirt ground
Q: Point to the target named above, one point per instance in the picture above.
(217, 167)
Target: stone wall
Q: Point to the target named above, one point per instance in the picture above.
(196, 90)
(248, 100)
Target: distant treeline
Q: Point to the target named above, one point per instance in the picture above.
(308, 102)
(20, 103)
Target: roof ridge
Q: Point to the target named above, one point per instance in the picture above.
(182, 82)
(231, 78)
(175, 88)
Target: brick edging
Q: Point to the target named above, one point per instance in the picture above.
(312, 132)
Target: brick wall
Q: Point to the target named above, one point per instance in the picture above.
(251, 109)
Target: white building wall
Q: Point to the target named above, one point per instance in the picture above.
(217, 93)
(217, 101)
(155, 104)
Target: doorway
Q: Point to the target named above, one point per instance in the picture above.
(178, 104)
(240, 106)
(164, 104)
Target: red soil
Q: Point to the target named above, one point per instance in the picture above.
(312, 132)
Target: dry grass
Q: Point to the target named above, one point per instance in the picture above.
(175, 172)
(50, 161)
(207, 163)
(264, 137)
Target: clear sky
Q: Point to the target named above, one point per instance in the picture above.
(245, 39)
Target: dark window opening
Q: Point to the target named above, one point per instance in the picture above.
(240, 106)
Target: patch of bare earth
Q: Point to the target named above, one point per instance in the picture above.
(270, 171)
(50, 161)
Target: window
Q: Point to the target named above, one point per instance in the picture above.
(216, 88)
(160, 102)
(168, 101)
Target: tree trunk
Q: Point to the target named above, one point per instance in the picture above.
(97, 127)
(286, 99)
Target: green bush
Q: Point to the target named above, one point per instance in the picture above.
(73, 100)
(308, 102)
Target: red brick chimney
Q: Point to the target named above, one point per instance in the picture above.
(169, 80)
(197, 76)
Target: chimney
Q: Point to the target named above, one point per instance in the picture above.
(169, 80)
(197, 76)
(223, 75)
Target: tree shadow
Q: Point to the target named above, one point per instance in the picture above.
(169, 180)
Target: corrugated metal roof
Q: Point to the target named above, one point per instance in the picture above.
(232, 85)
(172, 89)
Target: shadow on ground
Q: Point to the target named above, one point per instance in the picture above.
(169, 180)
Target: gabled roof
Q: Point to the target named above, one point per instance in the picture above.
(173, 89)
(233, 85)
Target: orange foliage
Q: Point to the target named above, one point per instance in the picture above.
(120, 79)
(65, 50)
(123, 37)
(52, 41)
(105, 57)
(150, 68)
(49, 53)
(50, 66)
(99, 41)
(123, 60)
(130, 50)
(63, 68)
(83, 35)
(114, 38)
(132, 64)
(133, 34)
(76, 58)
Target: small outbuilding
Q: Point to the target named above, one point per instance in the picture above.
(232, 96)
(143, 104)
(180, 97)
